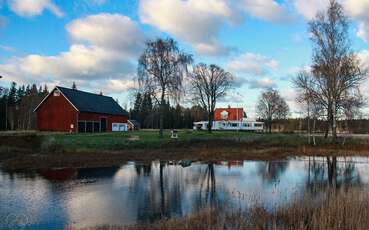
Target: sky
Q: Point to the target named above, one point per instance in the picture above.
(96, 43)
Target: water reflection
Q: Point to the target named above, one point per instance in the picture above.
(330, 172)
(147, 191)
(272, 170)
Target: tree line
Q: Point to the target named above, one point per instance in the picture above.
(176, 116)
(17, 104)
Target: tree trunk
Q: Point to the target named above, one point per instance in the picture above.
(308, 124)
(334, 122)
(161, 116)
(314, 125)
(210, 121)
(327, 124)
(270, 126)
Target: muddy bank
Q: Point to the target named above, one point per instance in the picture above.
(38, 152)
(23, 161)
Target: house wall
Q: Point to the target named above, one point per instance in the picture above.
(56, 114)
(233, 114)
(109, 118)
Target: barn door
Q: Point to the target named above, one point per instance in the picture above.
(103, 124)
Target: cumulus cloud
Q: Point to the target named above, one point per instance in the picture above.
(104, 47)
(264, 83)
(196, 22)
(309, 8)
(199, 22)
(364, 59)
(252, 64)
(268, 10)
(30, 8)
(108, 31)
(356, 9)
(252, 69)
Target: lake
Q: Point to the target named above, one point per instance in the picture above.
(141, 192)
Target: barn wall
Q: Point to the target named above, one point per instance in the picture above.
(56, 114)
(109, 118)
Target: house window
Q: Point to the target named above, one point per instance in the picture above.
(119, 127)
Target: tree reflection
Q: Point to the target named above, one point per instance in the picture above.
(271, 171)
(208, 187)
(160, 192)
(331, 173)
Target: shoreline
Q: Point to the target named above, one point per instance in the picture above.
(33, 152)
(21, 161)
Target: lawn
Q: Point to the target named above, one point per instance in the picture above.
(140, 139)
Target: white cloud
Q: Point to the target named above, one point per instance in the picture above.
(264, 83)
(104, 48)
(268, 10)
(364, 59)
(309, 8)
(108, 31)
(30, 8)
(199, 22)
(356, 9)
(196, 22)
(7, 48)
(252, 64)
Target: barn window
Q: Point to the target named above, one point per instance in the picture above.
(56, 93)
(89, 127)
(81, 126)
(96, 127)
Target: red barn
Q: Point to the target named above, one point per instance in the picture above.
(228, 114)
(71, 110)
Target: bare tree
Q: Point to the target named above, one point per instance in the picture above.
(336, 74)
(209, 83)
(271, 106)
(303, 82)
(161, 69)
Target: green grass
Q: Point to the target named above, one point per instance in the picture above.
(149, 139)
(138, 139)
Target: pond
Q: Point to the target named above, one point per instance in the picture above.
(141, 192)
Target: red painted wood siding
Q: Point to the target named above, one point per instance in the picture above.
(56, 114)
(233, 114)
(110, 119)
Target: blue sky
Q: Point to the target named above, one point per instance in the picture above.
(96, 42)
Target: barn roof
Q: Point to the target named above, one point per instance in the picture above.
(90, 102)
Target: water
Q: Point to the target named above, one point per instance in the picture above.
(135, 192)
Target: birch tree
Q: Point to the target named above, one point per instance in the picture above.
(161, 69)
(336, 73)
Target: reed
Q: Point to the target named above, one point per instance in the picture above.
(334, 209)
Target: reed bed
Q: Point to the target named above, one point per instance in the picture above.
(333, 209)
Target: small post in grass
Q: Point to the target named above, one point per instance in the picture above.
(174, 134)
